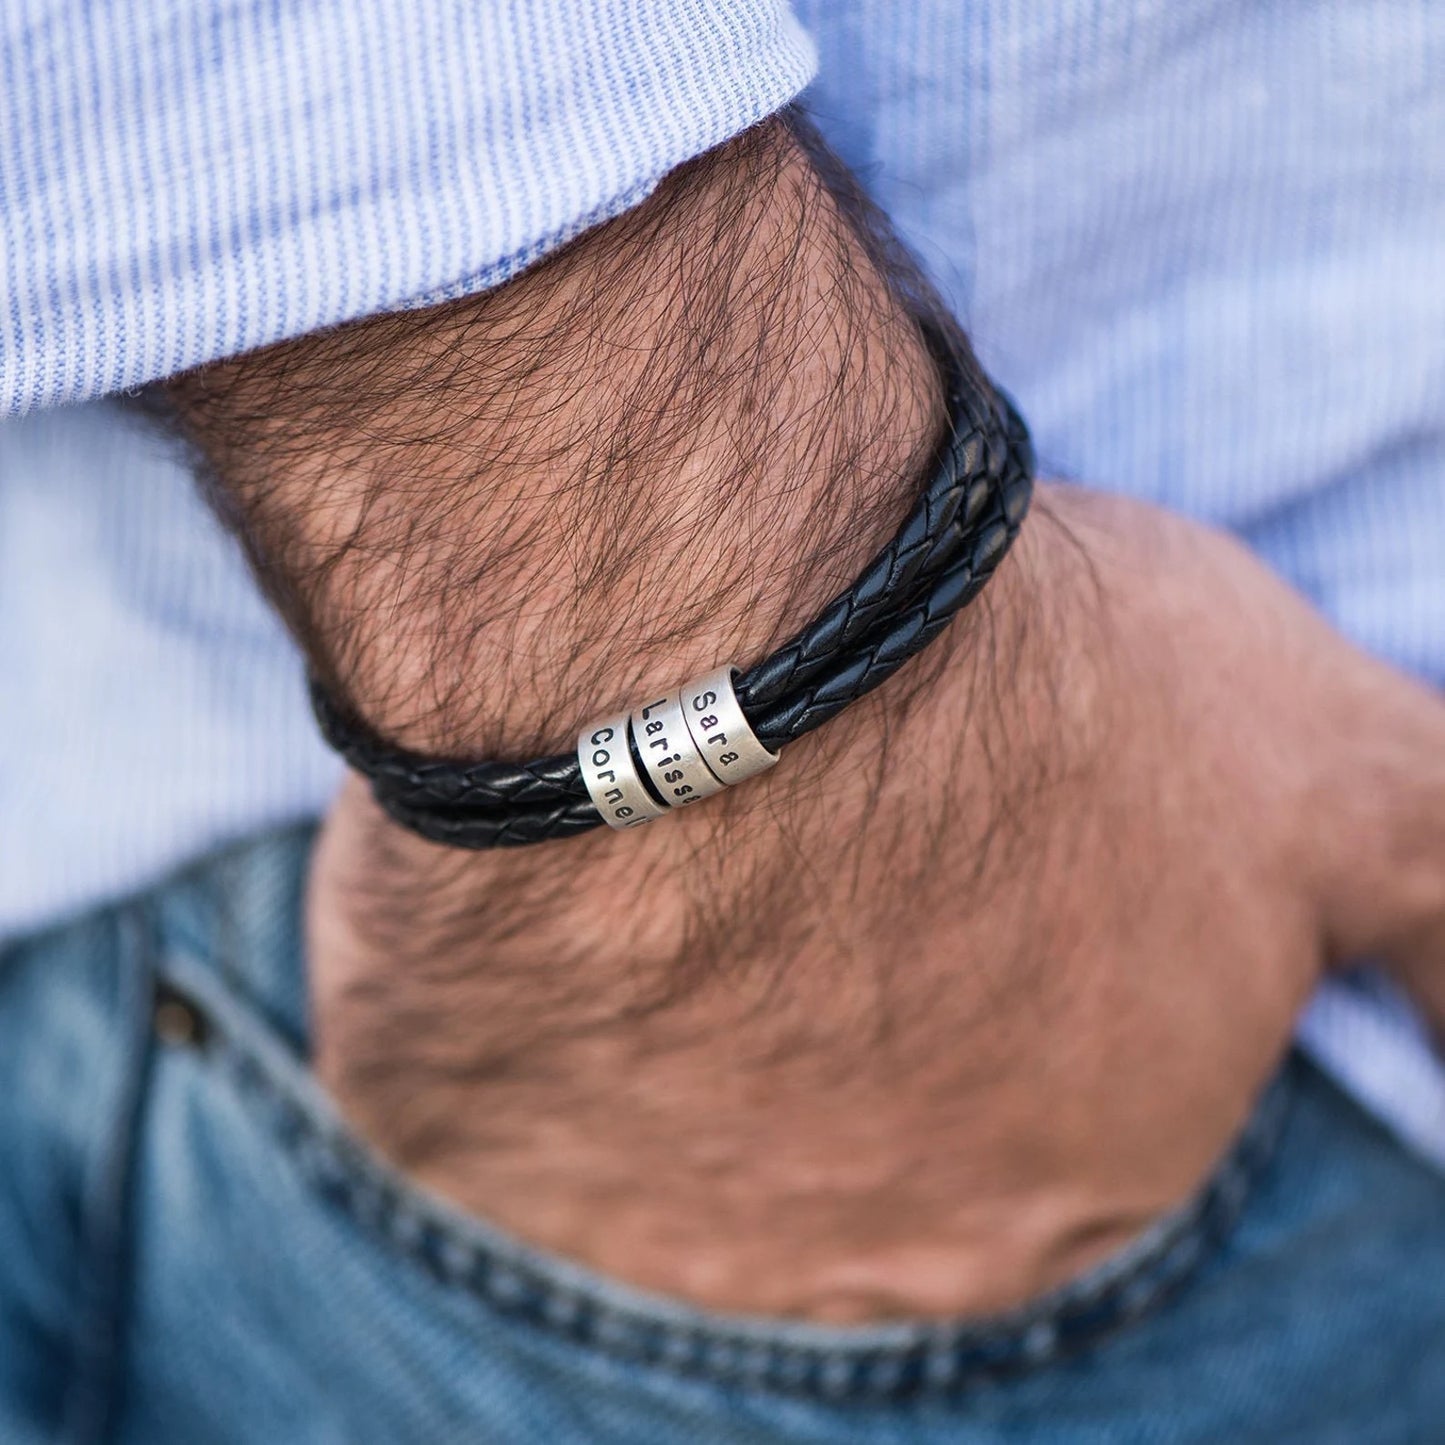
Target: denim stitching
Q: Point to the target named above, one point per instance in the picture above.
(935, 1359)
(99, 1343)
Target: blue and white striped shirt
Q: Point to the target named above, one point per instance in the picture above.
(1202, 246)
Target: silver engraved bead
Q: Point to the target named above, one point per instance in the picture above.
(674, 765)
(719, 730)
(612, 779)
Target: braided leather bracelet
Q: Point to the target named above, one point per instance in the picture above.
(938, 561)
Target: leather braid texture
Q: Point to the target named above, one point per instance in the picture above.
(936, 564)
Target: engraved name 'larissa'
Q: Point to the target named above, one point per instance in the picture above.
(655, 736)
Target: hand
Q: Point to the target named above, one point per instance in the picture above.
(959, 997)
(977, 981)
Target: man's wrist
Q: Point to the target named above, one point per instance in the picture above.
(668, 445)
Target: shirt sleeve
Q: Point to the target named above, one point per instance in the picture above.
(184, 182)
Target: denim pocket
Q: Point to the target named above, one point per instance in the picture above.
(533, 1291)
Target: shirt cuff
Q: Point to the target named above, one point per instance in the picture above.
(182, 183)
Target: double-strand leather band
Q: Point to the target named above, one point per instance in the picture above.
(939, 560)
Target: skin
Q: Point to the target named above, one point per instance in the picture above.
(976, 983)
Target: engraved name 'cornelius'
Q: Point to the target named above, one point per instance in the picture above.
(614, 795)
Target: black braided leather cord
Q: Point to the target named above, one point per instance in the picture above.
(936, 563)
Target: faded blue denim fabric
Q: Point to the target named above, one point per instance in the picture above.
(194, 1250)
